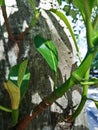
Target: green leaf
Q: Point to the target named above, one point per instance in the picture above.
(23, 77)
(21, 71)
(14, 93)
(48, 51)
(80, 5)
(2, 2)
(60, 2)
(85, 7)
(91, 4)
(13, 74)
(24, 84)
(20, 76)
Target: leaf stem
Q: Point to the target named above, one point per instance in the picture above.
(5, 109)
(33, 5)
(92, 99)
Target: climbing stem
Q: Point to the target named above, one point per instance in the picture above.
(33, 5)
(84, 98)
(82, 69)
(89, 34)
(75, 78)
(88, 25)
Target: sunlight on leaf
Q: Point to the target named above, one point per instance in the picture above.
(13, 74)
(48, 51)
(15, 78)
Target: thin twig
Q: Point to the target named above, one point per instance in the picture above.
(22, 35)
(8, 27)
(11, 36)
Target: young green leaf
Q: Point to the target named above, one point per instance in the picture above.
(20, 76)
(24, 84)
(21, 71)
(23, 77)
(13, 74)
(48, 51)
(14, 94)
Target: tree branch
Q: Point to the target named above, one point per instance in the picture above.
(9, 30)
(11, 36)
(22, 35)
(37, 110)
(46, 103)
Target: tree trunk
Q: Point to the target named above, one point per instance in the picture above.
(41, 82)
